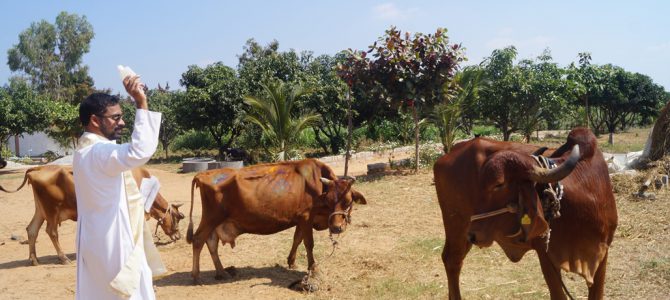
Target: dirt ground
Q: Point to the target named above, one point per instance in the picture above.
(390, 251)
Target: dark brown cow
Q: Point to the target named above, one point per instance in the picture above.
(500, 187)
(266, 199)
(55, 202)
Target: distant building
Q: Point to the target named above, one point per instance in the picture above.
(35, 145)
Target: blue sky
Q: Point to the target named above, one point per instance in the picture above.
(160, 39)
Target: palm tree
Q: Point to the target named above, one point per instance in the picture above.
(275, 115)
(461, 92)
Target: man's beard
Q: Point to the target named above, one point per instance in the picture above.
(113, 133)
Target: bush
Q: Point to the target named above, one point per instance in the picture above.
(5, 152)
(485, 130)
(428, 155)
(193, 140)
(51, 156)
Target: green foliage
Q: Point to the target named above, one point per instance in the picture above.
(428, 155)
(193, 140)
(485, 131)
(165, 101)
(260, 64)
(329, 100)
(65, 126)
(212, 102)
(21, 109)
(519, 97)
(276, 115)
(51, 56)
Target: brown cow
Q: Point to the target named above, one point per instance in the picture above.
(266, 199)
(55, 201)
(498, 190)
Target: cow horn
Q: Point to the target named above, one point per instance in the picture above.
(178, 205)
(558, 173)
(326, 181)
(539, 151)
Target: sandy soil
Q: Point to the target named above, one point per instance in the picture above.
(390, 251)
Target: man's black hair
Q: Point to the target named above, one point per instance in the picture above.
(95, 104)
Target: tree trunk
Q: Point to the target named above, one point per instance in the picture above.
(587, 112)
(416, 137)
(16, 146)
(322, 143)
(349, 133)
(660, 135)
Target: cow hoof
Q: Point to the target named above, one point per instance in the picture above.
(291, 266)
(197, 281)
(65, 261)
(34, 262)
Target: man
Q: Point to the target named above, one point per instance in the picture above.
(111, 261)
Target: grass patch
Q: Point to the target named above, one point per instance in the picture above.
(657, 269)
(394, 288)
(427, 246)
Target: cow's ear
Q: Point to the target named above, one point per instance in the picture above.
(533, 222)
(358, 197)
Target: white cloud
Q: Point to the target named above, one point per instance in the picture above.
(389, 11)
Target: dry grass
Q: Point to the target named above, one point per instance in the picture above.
(391, 251)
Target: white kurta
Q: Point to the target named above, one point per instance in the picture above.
(104, 235)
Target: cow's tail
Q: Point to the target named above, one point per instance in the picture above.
(189, 232)
(25, 179)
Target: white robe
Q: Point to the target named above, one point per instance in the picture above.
(104, 235)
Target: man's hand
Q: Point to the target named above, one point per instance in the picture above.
(135, 88)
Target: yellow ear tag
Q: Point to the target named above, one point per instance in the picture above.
(525, 220)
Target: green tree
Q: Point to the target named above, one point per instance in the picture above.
(499, 102)
(51, 56)
(166, 101)
(461, 96)
(328, 100)
(275, 113)
(21, 110)
(212, 101)
(545, 90)
(409, 69)
(259, 64)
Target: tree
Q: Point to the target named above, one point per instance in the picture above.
(259, 64)
(262, 64)
(21, 110)
(498, 102)
(545, 91)
(51, 56)
(410, 69)
(460, 96)
(165, 101)
(212, 101)
(275, 114)
(328, 100)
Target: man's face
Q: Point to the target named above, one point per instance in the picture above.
(111, 122)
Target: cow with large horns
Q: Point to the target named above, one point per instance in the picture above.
(55, 202)
(266, 199)
(498, 191)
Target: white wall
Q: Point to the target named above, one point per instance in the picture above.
(36, 144)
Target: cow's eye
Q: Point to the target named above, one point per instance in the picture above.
(499, 187)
